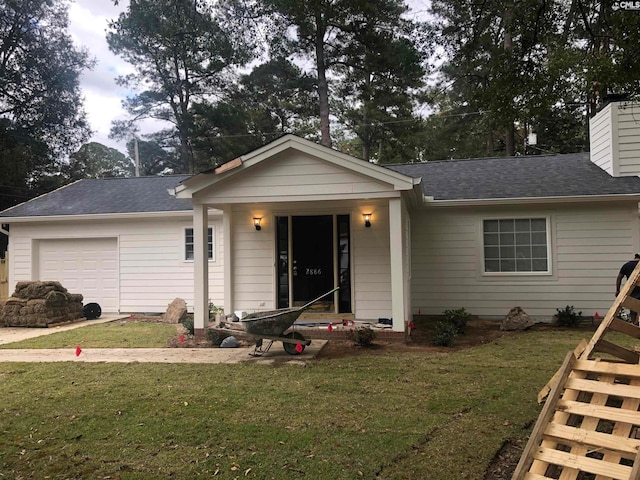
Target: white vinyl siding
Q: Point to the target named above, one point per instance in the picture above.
(516, 246)
(615, 139)
(294, 176)
(152, 270)
(588, 245)
(602, 148)
(254, 267)
(188, 244)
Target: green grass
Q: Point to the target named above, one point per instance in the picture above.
(409, 415)
(118, 334)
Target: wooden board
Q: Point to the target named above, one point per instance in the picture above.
(590, 422)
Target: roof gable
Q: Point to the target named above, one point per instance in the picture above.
(305, 158)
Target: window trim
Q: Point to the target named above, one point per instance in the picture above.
(547, 272)
(211, 244)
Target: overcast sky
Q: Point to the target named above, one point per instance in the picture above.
(88, 25)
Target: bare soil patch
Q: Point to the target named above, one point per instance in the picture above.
(477, 333)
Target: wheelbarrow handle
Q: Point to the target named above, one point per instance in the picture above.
(307, 305)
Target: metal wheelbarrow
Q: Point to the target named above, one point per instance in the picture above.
(273, 325)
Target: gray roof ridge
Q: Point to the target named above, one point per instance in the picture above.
(133, 177)
(471, 159)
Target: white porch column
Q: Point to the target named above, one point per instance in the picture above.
(227, 223)
(200, 268)
(399, 310)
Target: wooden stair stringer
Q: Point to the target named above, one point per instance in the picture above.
(590, 421)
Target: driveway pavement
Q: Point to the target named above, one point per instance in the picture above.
(141, 355)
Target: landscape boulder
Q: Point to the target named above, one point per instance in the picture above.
(230, 342)
(516, 319)
(176, 311)
(40, 304)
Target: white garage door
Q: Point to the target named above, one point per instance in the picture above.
(88, 266)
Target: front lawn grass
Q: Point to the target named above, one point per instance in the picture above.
(377, 414)
(116, 334)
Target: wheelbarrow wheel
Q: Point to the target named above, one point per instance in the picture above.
(290, 348)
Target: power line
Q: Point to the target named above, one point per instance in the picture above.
(360, 125)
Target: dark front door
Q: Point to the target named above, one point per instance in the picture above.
(312, 272)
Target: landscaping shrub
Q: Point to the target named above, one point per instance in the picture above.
(445, 332)
(459, 318)
(362, 336)
(567, 317)
(187, 323)
(214, 310)
(216, 336)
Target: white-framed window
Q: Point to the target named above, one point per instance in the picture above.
(188, 243)
(516, 246)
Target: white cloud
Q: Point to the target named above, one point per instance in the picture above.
(88, 23)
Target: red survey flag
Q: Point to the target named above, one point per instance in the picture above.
(181, 338)
(78, 351)
(299, 348)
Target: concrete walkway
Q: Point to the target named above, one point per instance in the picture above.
(276, 354)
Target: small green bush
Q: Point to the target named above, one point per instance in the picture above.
(459, 318)
(445, 332)
(213, 310)
(187, 323)
(567, 317)
(362, 336)
(216, 336)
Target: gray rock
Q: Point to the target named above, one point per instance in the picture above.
(516, 319)
(176, 311)
(230, 342)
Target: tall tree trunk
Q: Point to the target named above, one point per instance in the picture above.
(490, 143)
(509, 134)
(510, 140)
(323, 87)
(366, 126)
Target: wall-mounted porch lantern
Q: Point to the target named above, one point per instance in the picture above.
(256, 222)
(367, 219)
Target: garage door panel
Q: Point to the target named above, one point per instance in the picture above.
(87, 266)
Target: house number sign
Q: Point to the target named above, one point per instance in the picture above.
(313, 271)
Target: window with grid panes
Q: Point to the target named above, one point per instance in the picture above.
(188, 243)
(516, 245)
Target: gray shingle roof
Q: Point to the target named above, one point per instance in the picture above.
(517, 177)
(473, 179)
(108, 195)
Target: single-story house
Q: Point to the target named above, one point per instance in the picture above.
(287, 222)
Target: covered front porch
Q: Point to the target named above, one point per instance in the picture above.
(299, 220)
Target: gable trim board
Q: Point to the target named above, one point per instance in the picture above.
(630, 197)
(295, 159)
(291, 142)
(104, 216)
